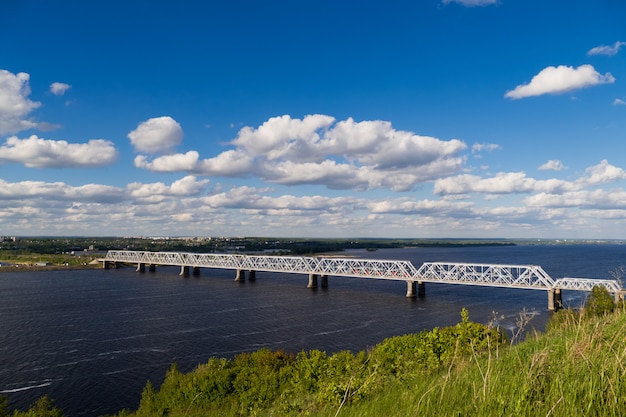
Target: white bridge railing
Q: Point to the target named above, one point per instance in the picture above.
(509, 276)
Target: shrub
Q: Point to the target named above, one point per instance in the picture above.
(599, 302)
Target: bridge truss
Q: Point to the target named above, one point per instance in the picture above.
(494, 275)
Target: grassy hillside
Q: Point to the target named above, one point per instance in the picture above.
(577, 369)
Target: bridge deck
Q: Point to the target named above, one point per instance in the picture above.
(494, 275)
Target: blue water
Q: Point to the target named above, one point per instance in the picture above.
(91, 339)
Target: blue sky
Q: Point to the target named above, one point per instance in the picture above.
(433, 118)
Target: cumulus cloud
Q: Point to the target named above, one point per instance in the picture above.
(232, 163)
(423, 207)
(552, 165)
(561, 79)
(58, 89)
(60, 191)
(602, 173)
(157, 192)
(14, 102)
(502, 183)
(472, 3)
(35, 152)
(319, 150)
(606, 50)
(619, 102)
(157, 134)
(596, 199)
(518, 182)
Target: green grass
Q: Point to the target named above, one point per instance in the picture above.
(578, 369)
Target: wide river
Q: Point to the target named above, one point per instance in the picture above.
(90, 339)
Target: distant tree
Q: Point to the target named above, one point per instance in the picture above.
(599, 302)
(44, 407)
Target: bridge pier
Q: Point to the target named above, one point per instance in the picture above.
(312, 281)
(152, 268)
(184, 271)
(240, 276)
(106, 265)
(196, 271)
(421, 289)
(252, 275)
(141, 267)
(555, 299)
(324, 281)
(410, 289)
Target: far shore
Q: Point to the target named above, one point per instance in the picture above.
(11, 266)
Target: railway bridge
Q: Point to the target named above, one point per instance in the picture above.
(493, 275)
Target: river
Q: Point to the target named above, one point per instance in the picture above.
(90, 339)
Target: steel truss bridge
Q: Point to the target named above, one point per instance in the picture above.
(492, 275)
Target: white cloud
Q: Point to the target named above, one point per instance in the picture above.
(318, 150)
(471, 3)
(14, 102)
(607, 50)
(158, 192)
(58, 89)
(156, 135)
(561, 79)
(518, 182)
(232, 163)
(169, 163)
(487, 147)
(601, 174)
(49, 192)
(35, 152)
(423, 207)
(502, 183)
(188, 207)
(594, 199)
(284, 137)
(552, 165)
(619, 102)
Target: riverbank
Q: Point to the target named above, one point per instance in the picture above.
(41, 264)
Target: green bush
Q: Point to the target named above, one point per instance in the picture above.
(44, 407)
(599, 302)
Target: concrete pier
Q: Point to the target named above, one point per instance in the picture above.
(252, 275)
(421, 289)
(184, 271)
(410, 289)
(324, 281)
(240, 276)
(141, 267)
(312, 281)
(555, 299)
(196, 271)
(152, 268)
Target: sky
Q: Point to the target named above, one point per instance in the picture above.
(394, 119)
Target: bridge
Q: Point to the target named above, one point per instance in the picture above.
(492, 275)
